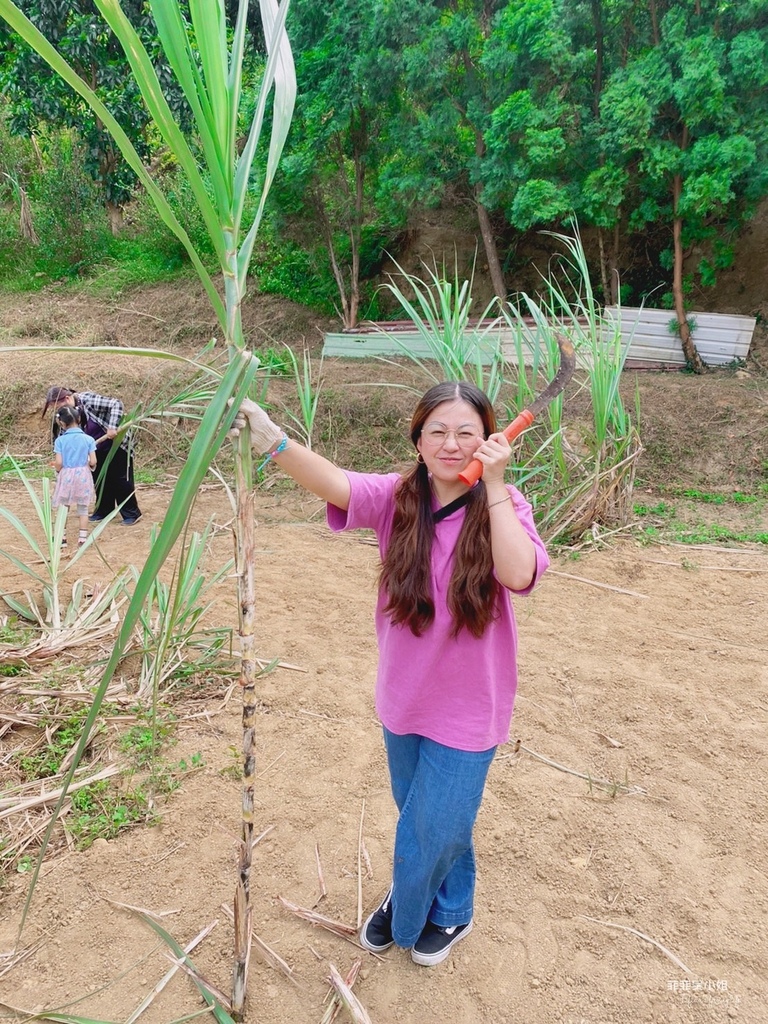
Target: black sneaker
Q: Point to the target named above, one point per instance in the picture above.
(130, 520)
(434, 943)
(96, 518)
(376, 933)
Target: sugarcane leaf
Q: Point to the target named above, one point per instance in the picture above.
(21, 609)
(211, 37)
(280, 70)
(152, 93)
(150, 353)
(220, 1014)
(274, 23)
(66, 1018)
(235, 75)
(175, 41)
(23, 566)
(93, 536)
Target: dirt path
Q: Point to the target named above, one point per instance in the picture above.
(662, 687)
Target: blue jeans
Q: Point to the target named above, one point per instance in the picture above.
(438, 791)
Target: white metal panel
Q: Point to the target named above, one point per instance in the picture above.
(721, 338)
(397, 343)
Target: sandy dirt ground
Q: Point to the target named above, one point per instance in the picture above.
(621, 842)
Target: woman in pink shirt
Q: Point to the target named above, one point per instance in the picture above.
(447, 675)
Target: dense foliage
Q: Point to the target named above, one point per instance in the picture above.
(38, 100)
(646, 120)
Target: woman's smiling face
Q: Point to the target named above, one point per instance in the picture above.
(449, 438)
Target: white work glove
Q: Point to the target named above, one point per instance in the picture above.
(265, 434)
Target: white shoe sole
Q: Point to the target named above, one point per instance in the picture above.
(369, 945)
(430, 959)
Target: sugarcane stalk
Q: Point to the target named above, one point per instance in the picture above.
(244, 537)
(244, 550)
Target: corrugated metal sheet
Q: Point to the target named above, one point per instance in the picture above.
(720, 338)
(400, 341)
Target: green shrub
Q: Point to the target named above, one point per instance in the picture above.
(285, 268)
(144, 226)
(68, 211)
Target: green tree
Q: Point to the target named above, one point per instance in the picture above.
(684, 119)
(83, 38)
(347, 71)
(601, 34)
(532, 126)
(549, 62)
(444, 42)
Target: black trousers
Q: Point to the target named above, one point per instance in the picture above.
(116, 484)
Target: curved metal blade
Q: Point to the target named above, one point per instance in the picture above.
(561, 378)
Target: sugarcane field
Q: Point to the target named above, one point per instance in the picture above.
(620, 839)
(383, 511)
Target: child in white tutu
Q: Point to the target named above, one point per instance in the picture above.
(74, 460)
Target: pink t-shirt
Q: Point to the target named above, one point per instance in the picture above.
(458, 691)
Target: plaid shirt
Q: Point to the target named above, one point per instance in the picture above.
(107, 412)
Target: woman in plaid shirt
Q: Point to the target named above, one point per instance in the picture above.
(101, 416)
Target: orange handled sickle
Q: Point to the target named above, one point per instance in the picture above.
(523, 420)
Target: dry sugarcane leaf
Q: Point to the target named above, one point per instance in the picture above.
(272, 958)
(355, 1008)
(53, 795)
(335, 1005)
(344, 931)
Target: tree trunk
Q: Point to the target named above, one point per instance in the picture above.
(348, 314)
(603, 268)
(356, 236)
(486, 228)
(115, 216)
(613, 265)
(655, 24)
(491, 250)
(692, 357)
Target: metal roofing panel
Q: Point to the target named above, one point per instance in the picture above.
(721, 338)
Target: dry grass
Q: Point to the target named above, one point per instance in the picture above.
(338, 928)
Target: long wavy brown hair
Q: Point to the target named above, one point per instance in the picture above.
(405, 576)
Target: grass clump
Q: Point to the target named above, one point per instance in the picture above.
(688, 520)
(45, 761)
(99, 813)
(102, 809)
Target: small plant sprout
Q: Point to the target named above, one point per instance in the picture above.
(42, 530)
(307, 391)
(173, 641)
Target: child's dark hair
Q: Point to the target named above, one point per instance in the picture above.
(68, 416)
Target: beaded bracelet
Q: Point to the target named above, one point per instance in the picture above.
(508, 498)
(280, 448)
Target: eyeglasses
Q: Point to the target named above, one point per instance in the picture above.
(435, 437)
